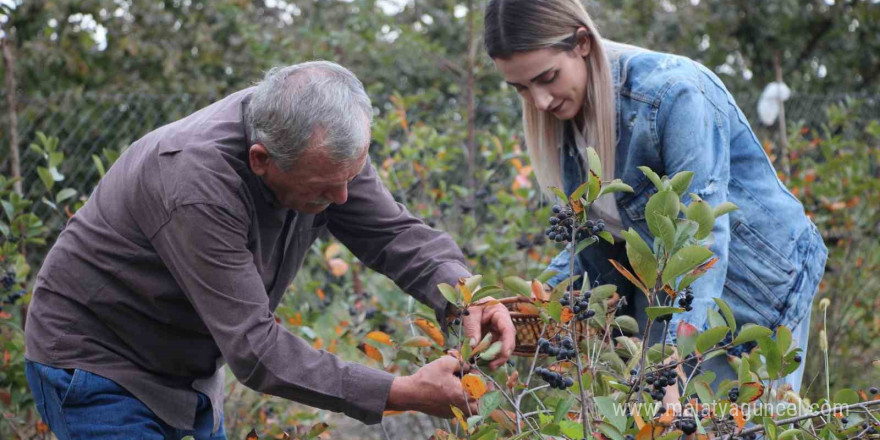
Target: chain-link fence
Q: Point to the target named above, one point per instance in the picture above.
(87, 123)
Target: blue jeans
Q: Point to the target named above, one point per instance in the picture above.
(77, 404)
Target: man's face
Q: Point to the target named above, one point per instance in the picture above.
(313, 182)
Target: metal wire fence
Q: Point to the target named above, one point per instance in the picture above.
(88, 123)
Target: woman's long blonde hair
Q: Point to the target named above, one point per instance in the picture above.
(514, 26)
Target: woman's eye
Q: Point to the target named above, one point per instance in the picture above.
(551, 78)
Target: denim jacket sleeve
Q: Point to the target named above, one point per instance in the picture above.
(694, 136)
(561, 264)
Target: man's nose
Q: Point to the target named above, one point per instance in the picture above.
(338, 195)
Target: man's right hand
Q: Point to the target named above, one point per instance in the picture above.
(431, 390)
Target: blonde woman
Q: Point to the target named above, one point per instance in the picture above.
(639, 107)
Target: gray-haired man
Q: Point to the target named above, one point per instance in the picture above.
(178, 260)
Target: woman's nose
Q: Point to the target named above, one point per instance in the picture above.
(542, 99)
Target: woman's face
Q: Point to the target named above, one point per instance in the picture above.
(552, 80)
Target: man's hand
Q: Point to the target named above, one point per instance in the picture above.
(432, 389)
(490, 318)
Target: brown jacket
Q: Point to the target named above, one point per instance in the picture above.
(179, 258)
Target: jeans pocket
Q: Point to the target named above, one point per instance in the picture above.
(63, 382)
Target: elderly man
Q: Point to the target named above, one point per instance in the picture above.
(177, 261)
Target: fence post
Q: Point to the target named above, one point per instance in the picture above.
(783, 133)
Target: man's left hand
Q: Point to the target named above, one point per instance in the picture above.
(493, 318)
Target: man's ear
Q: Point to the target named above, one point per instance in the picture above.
(584, 42)
(259, 159)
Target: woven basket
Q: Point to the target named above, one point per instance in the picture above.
(528, 324)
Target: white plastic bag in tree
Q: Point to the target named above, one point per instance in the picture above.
(769, 103)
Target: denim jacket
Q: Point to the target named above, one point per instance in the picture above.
(673, 115)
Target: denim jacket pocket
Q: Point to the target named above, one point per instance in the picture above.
(759, 277)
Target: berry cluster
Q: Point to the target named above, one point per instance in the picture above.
(8, 280)
(580, 305)
(555, 379)
(561, 223)
(687, 425)
(733, 394)
(659, 380)
(687, 299)
(562, 351)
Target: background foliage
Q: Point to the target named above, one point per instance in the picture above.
(98, 74)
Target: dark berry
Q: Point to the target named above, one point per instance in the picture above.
(844, 420)
(556, 209)
(874, 390)
(797, 358)
(569, 382)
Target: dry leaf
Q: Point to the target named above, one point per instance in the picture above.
(527, 309)
(371, 352)
(649, 432)
(567, 314)
(460, 417)
(474, 385)
(42, 428)
(380, 337)
(252, 435)
(417, 341)
(296, 319)
(332, 251)
(431, 330)
(538, 292)
(338, 267)
(512, 379)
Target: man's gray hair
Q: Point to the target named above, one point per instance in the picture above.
(317, 102)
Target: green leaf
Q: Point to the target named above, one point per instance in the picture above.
(562, 409)
(745, 374)
(595, 187)
(640, 257)
(486, 291)
(55, 174)
(686, 343)
(559, 194)
(685, 260)
(583, 244)
(46, 177)
(846, 396)
(667, 232)
(595, 162)
(37, 149)
(449, 293)
(579, 192)
(724, 208)
(491, 353)
(715, 318)
(517, 285)
(490, 402)
(653, 177)
(792, 433)
(605, 235)
(609, 431)
(555, 311)
(710, 337)
(662, 203)
(99, 165)
(681, 182)
(546, 275)
(769, 429)
(627, 324)
(749, 391)
(655, 311)
(65, 194)
(700, 212)
(616, 185)
(727, 312)
(606, 406)
(572, 430)
(473, 282)
(684, 231)
(783, 338)
(751, 332)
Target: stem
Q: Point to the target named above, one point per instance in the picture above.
(528, 381)
(506, 396)
(825, 352)
(588, 428)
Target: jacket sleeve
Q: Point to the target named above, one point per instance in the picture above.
(561, 264)
(204, 248)
(694, 136)
(390, 240)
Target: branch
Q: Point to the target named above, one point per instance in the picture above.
(824, 412)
